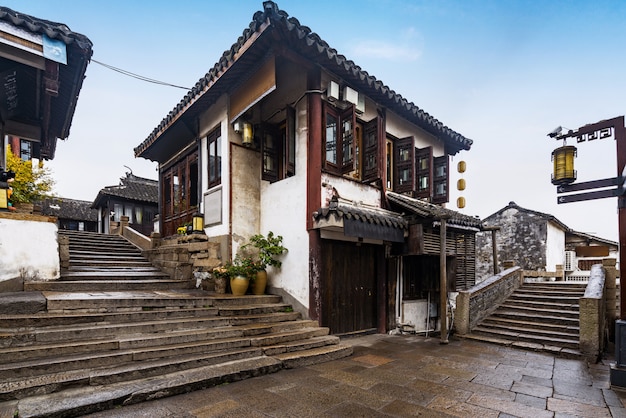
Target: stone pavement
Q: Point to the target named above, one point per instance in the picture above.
(402, 376)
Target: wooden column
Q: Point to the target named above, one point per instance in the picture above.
(443, 282)
(314, 188)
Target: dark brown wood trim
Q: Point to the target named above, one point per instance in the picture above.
(314, 192)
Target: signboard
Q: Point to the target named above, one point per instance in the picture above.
(54, 50)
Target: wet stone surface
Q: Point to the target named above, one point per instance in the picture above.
(403, 376)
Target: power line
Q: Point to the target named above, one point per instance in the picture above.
(139, 77)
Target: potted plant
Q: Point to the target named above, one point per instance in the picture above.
(268, 249)
(241, 270)
(220, 275)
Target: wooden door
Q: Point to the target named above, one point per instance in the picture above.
(348, 284)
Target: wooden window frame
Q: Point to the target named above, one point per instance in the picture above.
(441, 180)
(344, 139)
(278, 148)
(404, 155)
(214, 166)
(424, 171)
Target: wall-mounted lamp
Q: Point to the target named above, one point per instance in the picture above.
(244, 128)
(563, 159)
(197, 224)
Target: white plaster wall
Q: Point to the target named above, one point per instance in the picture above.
(348, 190)
(28, 249)
(401, 128)
(283, 211)
(215, 116)
(555, 246)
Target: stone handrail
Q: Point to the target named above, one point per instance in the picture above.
(592, 315)
(476, 303)
(137, 238)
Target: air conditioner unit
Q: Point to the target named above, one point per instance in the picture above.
(570, 261)
(332, 92)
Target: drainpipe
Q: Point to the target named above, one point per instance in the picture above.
(443, 282)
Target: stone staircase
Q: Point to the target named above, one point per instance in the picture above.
(540, 316)
(95, 347)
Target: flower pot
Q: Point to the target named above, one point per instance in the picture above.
(259, 283)
(220, 285)
(239, 285)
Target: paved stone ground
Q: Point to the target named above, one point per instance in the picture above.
(403, 376)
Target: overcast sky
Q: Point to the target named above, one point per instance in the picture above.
(503, 73)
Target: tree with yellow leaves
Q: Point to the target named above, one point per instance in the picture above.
(31, 184)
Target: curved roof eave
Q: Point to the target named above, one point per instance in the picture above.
(310, 45)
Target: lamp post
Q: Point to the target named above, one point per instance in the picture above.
(564, 176)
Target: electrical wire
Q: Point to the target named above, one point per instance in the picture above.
(137, 76)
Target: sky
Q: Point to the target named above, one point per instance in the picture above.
(503, 73)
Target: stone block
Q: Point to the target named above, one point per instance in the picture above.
(20, 303)
(207, 263)
(197, 246)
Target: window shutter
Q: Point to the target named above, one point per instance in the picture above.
(423, 172)
(331, 133)
(404, 179)
(441, 179)
(270, 148)
(371, 145)
(348, 142)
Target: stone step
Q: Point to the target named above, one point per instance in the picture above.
(114, 301)
(28, 361)
(527, 328)
(93, 256)
(119, 262)
(96, 331)
(529, 323)
(565, 297)
(545, 319)
(46, 319)
(543, 303)
(109, 284)
(316, 355)
(123, 370)
(544, 313)
(533, 346)
(226, 300)
(88, 399)
(525, 337)
(571, 290)
(133, 363)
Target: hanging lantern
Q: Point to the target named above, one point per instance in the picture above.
(563, 159)
(461, 166)
(460, 184)
(460, 202)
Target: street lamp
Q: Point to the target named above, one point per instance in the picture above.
(563, 159)
(564, 177)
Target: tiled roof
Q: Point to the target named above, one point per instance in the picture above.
(70, 77)
(51, 29)
(78, 210)
(308, 44)
(593, 238)
(427, 210)
(364, 215)
(131, 187)
(546, 216)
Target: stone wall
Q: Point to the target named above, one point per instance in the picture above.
(189, 257)
(28, 250)
(476, 303)
(522, 238)
(592, 315)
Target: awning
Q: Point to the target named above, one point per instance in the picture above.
(361, 224)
